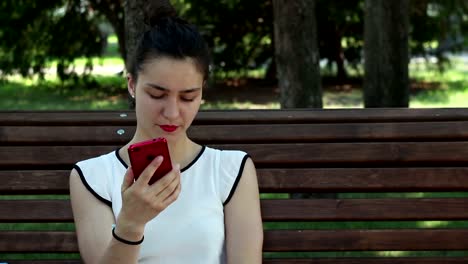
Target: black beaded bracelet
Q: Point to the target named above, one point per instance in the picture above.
(126, 241)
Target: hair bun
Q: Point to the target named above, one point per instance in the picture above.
(157, 10)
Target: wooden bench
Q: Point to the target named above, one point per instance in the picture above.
(391, 170)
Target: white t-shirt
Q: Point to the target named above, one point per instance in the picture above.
(190, 230)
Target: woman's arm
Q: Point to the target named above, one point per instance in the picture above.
(140, 203)
(93, 220)
(244, 230)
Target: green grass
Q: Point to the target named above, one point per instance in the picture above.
(50, 94)
(108, 92)
(367, 254)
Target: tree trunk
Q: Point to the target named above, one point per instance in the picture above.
(341, 75)
(386, 53)
(114, 13)
(297, 55)
(134, 26)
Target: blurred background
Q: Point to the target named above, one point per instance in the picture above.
(70, 54)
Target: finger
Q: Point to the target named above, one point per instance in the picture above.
(128, 180)
(173, 196)
(169, 189)
(166, 180)
(148, 172)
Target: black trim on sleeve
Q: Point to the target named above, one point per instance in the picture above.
(83, 179)
(236, 182)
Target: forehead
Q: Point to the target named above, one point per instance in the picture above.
(171, 73)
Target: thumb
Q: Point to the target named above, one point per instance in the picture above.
(128, 179)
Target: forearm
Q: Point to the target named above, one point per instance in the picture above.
(124, 246)
(117, 252)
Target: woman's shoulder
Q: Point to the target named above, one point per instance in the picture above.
(226, 153)
(99, 160)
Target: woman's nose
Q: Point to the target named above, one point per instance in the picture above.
(171, 109)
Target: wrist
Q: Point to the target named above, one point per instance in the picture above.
(129, 230)
(126, 241)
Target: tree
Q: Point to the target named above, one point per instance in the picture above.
(55, 30)
(444, 22)
(239, 32)
(297, 55)
(113, 11)
(134, 25)
(386, 53)
(340, 33)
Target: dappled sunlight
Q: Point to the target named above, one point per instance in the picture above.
(106, 90)
(238, 105)
(392, 253)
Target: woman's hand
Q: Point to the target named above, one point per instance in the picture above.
(142, 202)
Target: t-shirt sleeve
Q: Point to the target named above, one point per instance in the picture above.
(231, 168)
(93, 175)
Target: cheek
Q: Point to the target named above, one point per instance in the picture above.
(190, 111)
(145, 106)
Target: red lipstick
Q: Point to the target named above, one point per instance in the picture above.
(168, 128)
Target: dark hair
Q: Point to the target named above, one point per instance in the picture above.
(169, 36)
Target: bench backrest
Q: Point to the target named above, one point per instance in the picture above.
(380, 174)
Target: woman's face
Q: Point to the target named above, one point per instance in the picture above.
(167, 94)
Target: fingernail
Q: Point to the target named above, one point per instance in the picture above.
(159, 158)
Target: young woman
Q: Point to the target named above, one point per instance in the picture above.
(207, 209)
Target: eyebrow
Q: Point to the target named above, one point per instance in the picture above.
(155, 86)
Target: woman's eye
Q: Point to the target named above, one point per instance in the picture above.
(156, 96)
(187, 99)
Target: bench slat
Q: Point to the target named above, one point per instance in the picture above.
(363, 179)
(317, 154)
(45, 135)
(394, 260)
(43, 261)
(276, 240)
(280, 180)
(367, 240)
(283, 116)
(279, 210)
(365, 209)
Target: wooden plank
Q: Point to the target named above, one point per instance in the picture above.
(279, 210)
(391, 260)
(282, 116)
(356, 260)
(366, 240)
(35, 211)
(209, 134)
(276, 240)
(67, 118)
(281, 180)
(38, 241)
(365, 209)
(310, 154)
(70, 135)
(363, 179)
(34, 181)
(36, 261)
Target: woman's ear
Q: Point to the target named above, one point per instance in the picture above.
(131, 85)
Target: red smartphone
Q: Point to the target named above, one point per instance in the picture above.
(142, 153)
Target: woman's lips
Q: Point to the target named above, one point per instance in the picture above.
(168, 128)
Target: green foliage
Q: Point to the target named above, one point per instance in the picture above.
(240, 32)
(35, 33)
(439, 27)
